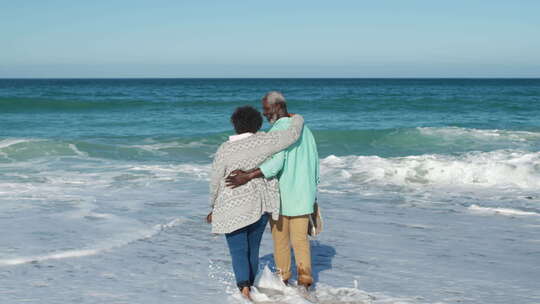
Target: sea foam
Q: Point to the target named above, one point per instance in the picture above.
(455, 133)
(501, 168)
(13, 141)
(270, 289)
(501, 211)
(106, 246)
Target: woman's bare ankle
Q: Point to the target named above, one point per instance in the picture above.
(245, 292)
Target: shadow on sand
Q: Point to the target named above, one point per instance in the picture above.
(321, 260)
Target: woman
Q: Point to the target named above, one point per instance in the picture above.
(242, 213)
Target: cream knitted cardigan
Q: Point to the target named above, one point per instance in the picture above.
(233, 209)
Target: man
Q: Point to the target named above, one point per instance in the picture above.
(297, 169)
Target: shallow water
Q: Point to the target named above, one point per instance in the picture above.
(430, 190)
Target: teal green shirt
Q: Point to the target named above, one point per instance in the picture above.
(297, 169)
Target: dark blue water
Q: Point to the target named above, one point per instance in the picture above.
(349, 115)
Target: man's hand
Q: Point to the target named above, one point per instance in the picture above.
(237, 178)
(209, 218)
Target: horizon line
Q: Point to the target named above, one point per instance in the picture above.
(256, 77)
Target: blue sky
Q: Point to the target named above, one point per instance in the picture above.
(270, 38)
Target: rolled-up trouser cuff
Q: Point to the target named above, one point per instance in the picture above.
(305, 280)
(243, 284)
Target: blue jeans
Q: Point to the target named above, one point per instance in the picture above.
(244, 246)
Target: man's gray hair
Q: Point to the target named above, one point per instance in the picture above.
(274, 97)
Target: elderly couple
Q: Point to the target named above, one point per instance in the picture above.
(257, 177)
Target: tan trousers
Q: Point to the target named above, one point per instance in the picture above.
(287, 230)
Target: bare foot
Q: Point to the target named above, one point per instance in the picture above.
(245, 292)
(305, 291)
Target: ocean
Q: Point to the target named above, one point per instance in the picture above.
(430, 189)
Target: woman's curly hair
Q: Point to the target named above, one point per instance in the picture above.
(246, 119)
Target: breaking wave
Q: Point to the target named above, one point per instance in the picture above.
(501, 168)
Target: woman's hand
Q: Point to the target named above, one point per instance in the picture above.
(209, 218)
